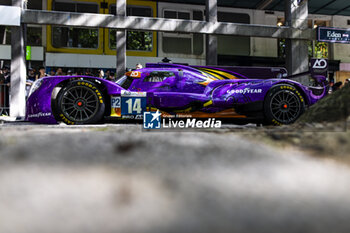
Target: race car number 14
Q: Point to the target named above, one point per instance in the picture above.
(133, 103)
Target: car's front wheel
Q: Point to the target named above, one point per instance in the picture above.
(283, 104)
(81, 102)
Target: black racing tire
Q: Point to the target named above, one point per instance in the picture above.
(80, 102)
(283, 105)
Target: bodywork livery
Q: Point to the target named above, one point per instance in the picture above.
(176, 91)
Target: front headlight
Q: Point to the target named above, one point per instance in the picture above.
(35, 86)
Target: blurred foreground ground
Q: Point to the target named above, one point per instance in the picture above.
(117, 178)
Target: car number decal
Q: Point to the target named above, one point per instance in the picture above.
(133, 105)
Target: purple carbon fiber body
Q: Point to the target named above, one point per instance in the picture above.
(172, 88)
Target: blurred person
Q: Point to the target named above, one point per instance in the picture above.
(6, 89)
(337, 86)
(101, 74)
(79, 72)
(138, 66)
(52, 72)
(88, 72)
(41, 73)
(59, 72)
(30, 79)
(69, 73)
(331, 87)
(7, 75)
(108, 72)
(111, 77)
(31, 75)
(2, 78)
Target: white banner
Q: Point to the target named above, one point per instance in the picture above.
(10, 15)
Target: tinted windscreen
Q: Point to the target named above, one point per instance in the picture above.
(125, 82)
(158, 76)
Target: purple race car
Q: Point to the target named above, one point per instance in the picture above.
(259, 95)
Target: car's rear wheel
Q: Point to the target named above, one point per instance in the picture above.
(283, 105)
(81, 102)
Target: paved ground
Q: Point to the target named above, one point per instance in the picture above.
(117, 178)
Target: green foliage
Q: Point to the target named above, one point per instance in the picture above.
(321, 49)
(74, 37)
(136, 40)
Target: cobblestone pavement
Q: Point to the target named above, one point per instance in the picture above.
(118, 178)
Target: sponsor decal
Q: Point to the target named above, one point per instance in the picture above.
(319, 67)
(131, 117)
(132, 104)
(293, 89)
(93, 88)
(152, 120)
(115, 106)
(320, 64)
(245, 91)
(40, 114)
(133, 94)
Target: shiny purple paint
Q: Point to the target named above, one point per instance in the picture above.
(185, 87)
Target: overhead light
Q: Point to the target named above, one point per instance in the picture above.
(315, 25)
(280, 24)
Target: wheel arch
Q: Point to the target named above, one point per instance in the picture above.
(64, 83)
(302, 91)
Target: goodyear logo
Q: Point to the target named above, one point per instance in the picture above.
(93, 88)
(245, 91)
(295, 90)
(65, 120)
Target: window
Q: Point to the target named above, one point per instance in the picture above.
(233, 45)
(125, 81)
(158, 76)
(75, 7)
(34, 36)
(169, 14)
(73, 37)
(183, 43)
(136, 40)
(134, 11)
(229, 17)
(5, 35)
